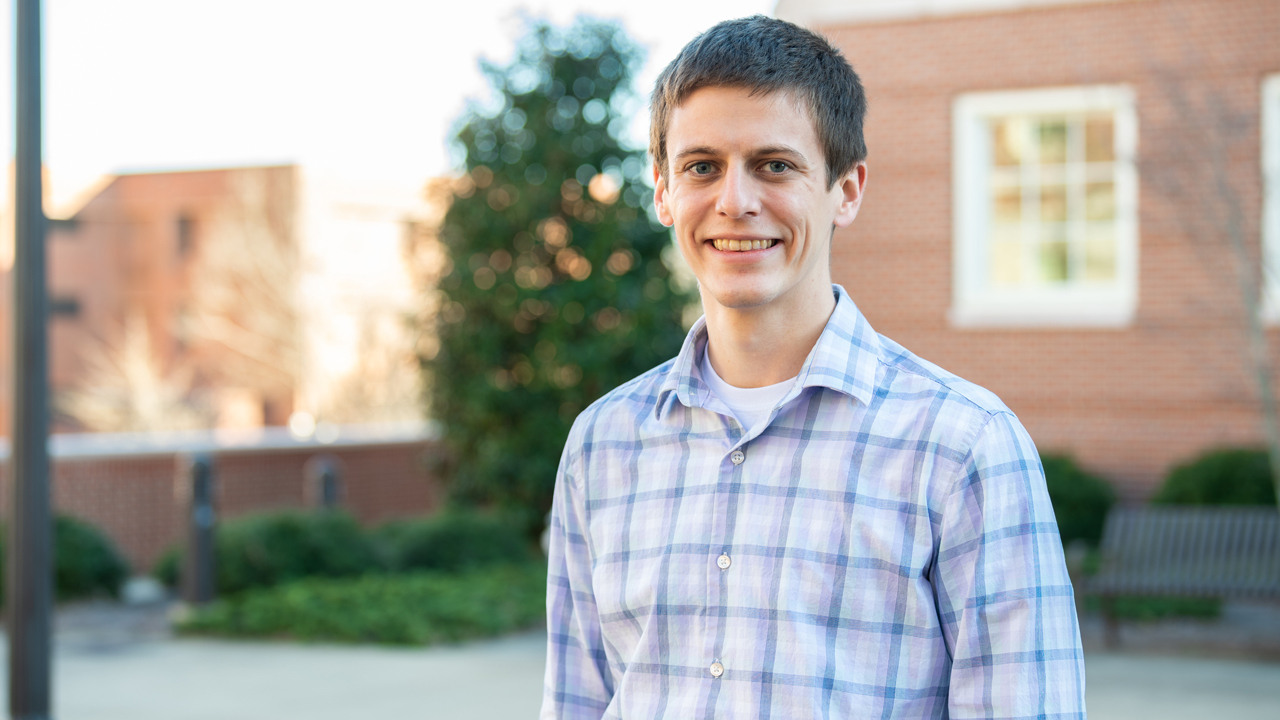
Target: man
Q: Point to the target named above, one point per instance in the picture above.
(795, 517)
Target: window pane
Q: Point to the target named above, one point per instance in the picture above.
(1099, 139)
(1100, 253)
(1007, 145)
(1053, 203)
(1053, 141)
(1047, 201)
(1006, 204)
(1100, 201)
(1006, 255)
(1054, 258)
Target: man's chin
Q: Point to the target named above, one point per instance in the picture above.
(740, 298)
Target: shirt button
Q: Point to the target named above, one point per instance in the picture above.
(717, 669)
(723, 562)
(737, 457)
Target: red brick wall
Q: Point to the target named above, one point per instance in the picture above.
(133, 498)
(1130, 402)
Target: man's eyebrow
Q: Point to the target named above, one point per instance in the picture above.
(780, 150)
(766, 150)
(698, 150)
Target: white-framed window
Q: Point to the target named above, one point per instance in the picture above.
(1271, 197)
(1045, 208)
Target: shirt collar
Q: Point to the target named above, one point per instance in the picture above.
(845, 359)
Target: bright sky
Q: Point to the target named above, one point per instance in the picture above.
(367, 89)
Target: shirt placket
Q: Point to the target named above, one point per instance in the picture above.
(729, 472)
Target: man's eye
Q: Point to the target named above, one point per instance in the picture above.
(701, 168)
(776, 166)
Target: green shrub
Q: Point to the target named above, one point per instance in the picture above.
(414, 609)
(1221, 477)
(85, 562)
(263, 550)
(1080, 500)
(168, 566)
(455, 541)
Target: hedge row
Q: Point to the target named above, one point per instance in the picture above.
(411, 609)
(266, 550)
(1221, 477)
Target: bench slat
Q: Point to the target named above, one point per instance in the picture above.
(1204, 551)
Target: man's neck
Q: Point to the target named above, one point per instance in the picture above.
(760, 346)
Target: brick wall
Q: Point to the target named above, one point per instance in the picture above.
(132, 497)
(1130, 402)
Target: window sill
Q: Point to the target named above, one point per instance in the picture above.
(1028, 313)
(1269, 308)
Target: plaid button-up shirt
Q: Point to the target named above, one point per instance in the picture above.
(891, 550)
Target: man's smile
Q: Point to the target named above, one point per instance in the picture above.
(731, 245)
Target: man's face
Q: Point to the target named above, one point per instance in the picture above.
(746, 190)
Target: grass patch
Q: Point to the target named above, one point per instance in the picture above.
(1159, 608)
(407, 609)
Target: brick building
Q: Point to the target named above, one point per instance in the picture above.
(227, 298)
(127, 261)
(1056, 193)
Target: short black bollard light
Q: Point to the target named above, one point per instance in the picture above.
(324, 482)
(196, 490)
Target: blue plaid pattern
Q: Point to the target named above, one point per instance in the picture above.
(893, 550)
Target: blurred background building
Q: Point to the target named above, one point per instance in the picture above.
(262, 314)
(1066, 205)
(230, 298)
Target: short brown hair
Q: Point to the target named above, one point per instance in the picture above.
(764, 55)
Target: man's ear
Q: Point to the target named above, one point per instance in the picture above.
(851, 189)
(660, 198)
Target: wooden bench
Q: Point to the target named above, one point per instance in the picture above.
(1217, 552)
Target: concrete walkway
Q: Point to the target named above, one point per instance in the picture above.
(130, 669)
(1138, 687)
(208, 680)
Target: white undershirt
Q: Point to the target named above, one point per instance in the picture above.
(751, 405)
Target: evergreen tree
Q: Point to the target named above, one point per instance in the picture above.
(555, 290)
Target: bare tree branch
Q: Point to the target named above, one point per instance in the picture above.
(244, 302)
(125, 389)
(1205, 137)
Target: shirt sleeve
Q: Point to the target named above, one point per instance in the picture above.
(1004, 596)
(577, 683)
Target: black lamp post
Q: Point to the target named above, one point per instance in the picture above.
(29, 586)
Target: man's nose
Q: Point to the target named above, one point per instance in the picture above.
(738, 194)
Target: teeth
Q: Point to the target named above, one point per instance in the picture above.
(743, 245)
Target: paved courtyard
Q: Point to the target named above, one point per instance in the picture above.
(208, 680)
(130, 669)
